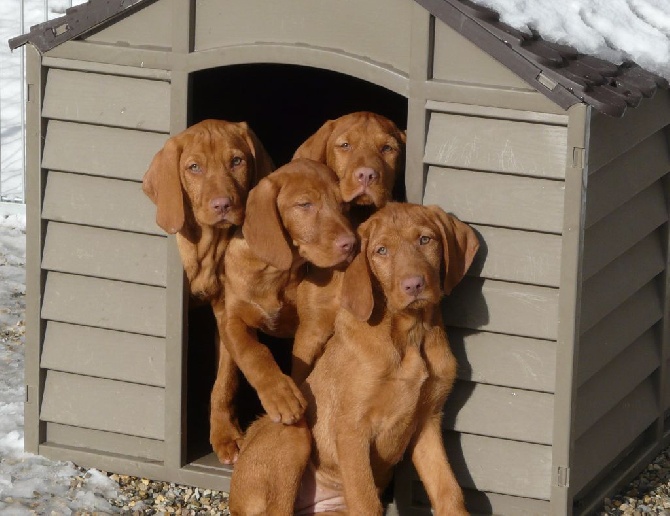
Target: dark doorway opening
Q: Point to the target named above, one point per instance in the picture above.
(284, 105)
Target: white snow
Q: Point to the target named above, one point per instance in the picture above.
(615, 30)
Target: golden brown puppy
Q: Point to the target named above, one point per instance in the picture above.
(294, 216)
(378, 389)
(367, 151)
(199, 182)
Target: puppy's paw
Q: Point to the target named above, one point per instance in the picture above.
(283, 401)
(226, 441)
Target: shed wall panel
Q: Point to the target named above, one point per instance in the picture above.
(495, 145)
(104, 353)
(501, 307)
(149, 27)
(618, 329)
(612, 185)
(518, 256)
(610, 287)
(623, 228)
(614, 381)
(500, 412)
(486, 111)
(317, 23)
(100, 404)
(99, 150)
(497, 200)
(105, 254)
(500, 465)
(612, 136)
(106, 442)
(456, 59)
(103, 303)
(107, 100)
(509, 361)
(613, 433)
(95, 201)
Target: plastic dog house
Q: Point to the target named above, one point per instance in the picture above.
(559, 161)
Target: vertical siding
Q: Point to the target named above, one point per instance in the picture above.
(104, 262)
(623, 292)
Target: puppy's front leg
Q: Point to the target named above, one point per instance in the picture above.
(432, 465)
(353, 452)
(225, 435)
(279, 395)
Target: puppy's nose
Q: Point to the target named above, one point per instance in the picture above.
(345, 243)
(413, 286)
(366, 175)
(220, 205)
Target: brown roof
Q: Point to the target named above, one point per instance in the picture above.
(558, 71)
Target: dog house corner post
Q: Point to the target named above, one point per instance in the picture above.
(34, 430)
(176, 294)
(421, 52)
(569, 307)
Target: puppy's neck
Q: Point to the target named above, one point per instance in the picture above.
(406, 327)
(202, 249)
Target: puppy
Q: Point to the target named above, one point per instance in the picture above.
(294, 216)
(367, 151)
(378, 389)
(199, 182)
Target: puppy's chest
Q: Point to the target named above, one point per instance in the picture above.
(277, 310)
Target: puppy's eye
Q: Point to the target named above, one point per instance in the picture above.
(236, 161)
(345, 145)
(387, 148)
(423, 240)
(381, 250)
(195, 168)
(305, 205)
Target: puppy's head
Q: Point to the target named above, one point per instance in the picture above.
(366, 151)
(297, 211)
(205, 173)
(411, 255)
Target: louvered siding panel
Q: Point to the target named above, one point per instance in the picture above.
(618, 329)
(613, 185)
(100, 404)
(620, 279)
(501, 307)
(615, 431)
(623, 228)
(468, 142)
(505, 360)
(113, 305)
(96, 201)
(500, 412)
(616, 380)
(99, 150)
(518, 256)
(118, 255)
(104, 99)
(497, 200)
(106, 442)
(500, 465)
(104, 353)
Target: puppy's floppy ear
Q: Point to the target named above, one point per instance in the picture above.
(161, 183)
(262, 160)
(459, 245)
(315, 147)
(263, 228)
(357, 286)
